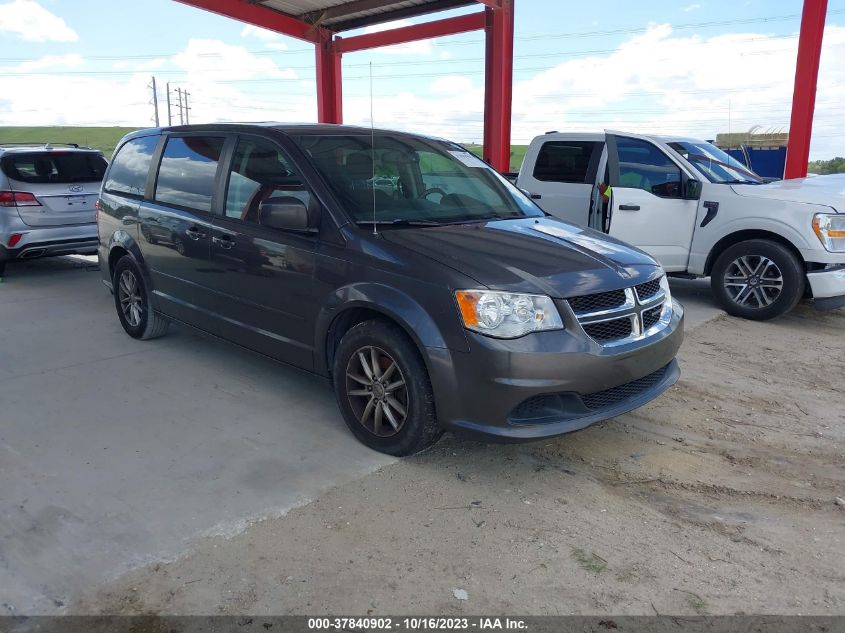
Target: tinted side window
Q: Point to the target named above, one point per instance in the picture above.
(644, 166)
(128, 173)
(186, 174)
(564, 161)
(260, 171)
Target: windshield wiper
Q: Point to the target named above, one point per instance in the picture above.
(398, 222)
(737, 181)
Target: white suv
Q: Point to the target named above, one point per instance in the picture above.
(699, 212)
(47, 198)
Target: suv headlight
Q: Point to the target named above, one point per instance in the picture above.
(507, 314)
(830, 229)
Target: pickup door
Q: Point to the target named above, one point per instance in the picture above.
(647, 205)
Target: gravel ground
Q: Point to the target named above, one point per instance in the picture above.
(718, 498)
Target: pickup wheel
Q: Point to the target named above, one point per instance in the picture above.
(383, 389)
(132, 301)
(758, 279)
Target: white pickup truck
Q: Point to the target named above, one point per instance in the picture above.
(699, 212)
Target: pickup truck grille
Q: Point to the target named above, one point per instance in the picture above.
(622, 316)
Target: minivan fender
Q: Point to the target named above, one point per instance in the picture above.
(392, 304)
(122, 242)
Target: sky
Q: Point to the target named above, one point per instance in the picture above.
(691, 68)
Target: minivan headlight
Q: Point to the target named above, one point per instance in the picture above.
(830, 229)
(507, 314)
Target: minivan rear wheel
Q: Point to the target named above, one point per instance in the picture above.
(758, 279)
(383, 389)
(132, 301)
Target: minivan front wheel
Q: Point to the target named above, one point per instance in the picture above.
(758, 279)
(383, 389)
(132, 301)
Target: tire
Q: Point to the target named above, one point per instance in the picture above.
(758, 280)
(130, 290)
(355, 389)
(2, 269)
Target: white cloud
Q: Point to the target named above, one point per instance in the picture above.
(264, 35)
(454, 84)
(691, 7)
(70, 60)
(421, 47)
(30, 21)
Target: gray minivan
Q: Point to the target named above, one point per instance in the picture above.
(430, 291)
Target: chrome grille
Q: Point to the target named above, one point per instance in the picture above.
(618, 317)
(598, 301)
(648, 289)
(610, 330)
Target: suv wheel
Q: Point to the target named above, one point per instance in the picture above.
(758, 279)
(383, 389)
(132, 301)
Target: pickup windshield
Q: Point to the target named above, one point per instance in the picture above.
(405, 181)
(716, 165)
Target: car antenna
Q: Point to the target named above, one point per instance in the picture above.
(373, 151)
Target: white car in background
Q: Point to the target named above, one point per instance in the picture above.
(47, 197)
(699, 212)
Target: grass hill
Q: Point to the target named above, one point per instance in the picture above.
(102, 138)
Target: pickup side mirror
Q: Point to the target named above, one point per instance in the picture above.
(692, 189)
(287, 213)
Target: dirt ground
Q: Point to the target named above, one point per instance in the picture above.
(718, 498)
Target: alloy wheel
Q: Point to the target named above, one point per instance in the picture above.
(377, 391)
(753, 281)
(129, 294)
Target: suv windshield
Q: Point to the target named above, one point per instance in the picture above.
(716, 165)
(55, 167)
(404, 180)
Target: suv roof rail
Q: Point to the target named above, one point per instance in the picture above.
(44, 144)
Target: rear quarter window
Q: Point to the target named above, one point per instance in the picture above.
(566, 161)
(130, 166)
(54, 167)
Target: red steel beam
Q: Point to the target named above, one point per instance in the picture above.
(804, 93)
(405, 34)
(498, 97)
(258, 15)
(329, 81)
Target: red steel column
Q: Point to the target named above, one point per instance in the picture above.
(329, 81)
(804, 93)
(498, 78)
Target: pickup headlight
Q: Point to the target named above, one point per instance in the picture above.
(830, 230)
(507, 314)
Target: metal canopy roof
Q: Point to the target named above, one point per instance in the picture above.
(343, 15)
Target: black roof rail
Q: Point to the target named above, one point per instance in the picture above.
(46, 144)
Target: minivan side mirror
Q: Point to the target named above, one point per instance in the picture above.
(287, 213)
(692, 189)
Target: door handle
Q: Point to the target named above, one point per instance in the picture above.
(629, 207)
(535, 196)
(194, 233)
(223, 242)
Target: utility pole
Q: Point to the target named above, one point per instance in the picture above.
(155, 99)
(169, 117)
(179, 99)
(187, 109)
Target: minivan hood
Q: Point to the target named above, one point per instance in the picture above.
(824, 190)
(536, 255)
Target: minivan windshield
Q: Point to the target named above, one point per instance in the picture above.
(715, 164)
(410, 181)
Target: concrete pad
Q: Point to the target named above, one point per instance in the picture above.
(115, 452)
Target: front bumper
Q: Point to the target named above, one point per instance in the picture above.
(549, 383)
(828, 287)
(78, 239)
